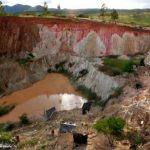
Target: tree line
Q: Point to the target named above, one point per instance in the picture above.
(103, 11)
(103, 14)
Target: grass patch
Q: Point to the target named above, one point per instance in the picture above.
(138, 140)
(119, 66)
(6, 137)
(6, 109)
(32, 142)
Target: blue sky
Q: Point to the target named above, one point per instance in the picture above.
(74, 4)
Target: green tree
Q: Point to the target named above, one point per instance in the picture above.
(110, 126)
(58, 7)
(103, 11)
(2, 11)
(114, 15)
(45, 8)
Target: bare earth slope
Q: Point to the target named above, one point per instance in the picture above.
(26, 34)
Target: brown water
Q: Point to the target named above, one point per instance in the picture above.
(44, 94)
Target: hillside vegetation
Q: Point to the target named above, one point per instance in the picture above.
(128, 17)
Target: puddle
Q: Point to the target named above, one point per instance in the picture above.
(35, 107)
(41, 96)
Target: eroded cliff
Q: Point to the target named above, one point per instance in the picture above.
(84, 38)
(53, 41)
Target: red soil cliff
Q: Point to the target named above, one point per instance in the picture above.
(22, 34)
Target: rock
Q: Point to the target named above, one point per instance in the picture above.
(147, 59)
(123, 145)
(146, 136)
(145, 146)
(136, 111)
(90, 46)
(65, 141)
(124, 57)
(103, 85)
(100, 142)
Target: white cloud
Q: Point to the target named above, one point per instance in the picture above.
(84, 3)
(25, 2)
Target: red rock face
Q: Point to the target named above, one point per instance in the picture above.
(17, 35)
(22, 34)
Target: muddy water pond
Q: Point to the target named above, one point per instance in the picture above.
(55, 90)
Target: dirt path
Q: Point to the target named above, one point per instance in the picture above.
(35, 98)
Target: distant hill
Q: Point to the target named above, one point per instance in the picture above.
(22, 8)
(19, 8)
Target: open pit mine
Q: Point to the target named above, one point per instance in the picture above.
(44, 62)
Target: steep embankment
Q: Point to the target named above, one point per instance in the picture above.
(81, 37)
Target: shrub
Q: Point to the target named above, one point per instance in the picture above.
(6, 109)
(26, 60)
(87, 93)
(1, 90)
(24, 119)
(60, 67)
(49, 70)
(1, 127)
(138, 140)
(8, 126)
(83, 16)
(142, 62)
(5, 137)
(110, 126)
(33, 141)
(90, 95)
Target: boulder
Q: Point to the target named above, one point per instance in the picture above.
(147, 59)
(90, 46)
(99, 142)
(145, 146)
(124, 57)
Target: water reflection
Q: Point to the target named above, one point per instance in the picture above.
(35, 107)
(66, 101)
